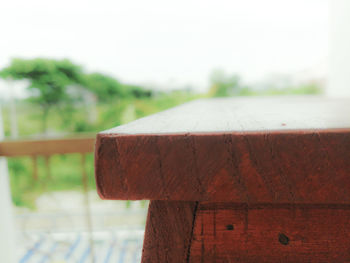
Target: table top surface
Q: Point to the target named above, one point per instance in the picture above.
(243, 150)
(245, 114)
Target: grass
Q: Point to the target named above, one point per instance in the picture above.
(65, 174)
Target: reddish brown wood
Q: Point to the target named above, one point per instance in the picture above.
(249, 167)
(168, 232)
(236, 180)
(227, 232)
(271, 233)
(270, 150)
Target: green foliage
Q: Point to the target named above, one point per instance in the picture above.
(223, 85)
(106, 88)
(66, 174)
(49, 80)
(109, 89)
(138, 92)
(310, 89)
(60, 84)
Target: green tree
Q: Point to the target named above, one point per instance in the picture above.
(107, 88)
(60, 83)
(224, 85)
(49, 80)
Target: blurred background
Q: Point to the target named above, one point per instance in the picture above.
(69, 69)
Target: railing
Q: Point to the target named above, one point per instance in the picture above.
(48, 147)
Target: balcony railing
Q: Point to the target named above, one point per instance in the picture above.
(46, 148)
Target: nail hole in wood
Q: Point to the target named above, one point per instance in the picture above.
(283, 239)
(229, 227)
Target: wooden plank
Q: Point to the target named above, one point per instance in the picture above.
(168, 232)
(47, 146)
(270, 151)
(279, 233)
(244, 114)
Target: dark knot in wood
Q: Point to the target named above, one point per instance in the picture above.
(229, 227)
(283, 239)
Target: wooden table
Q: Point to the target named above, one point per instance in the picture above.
(236, 180)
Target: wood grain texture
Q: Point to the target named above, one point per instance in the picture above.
(250, 167)
(236, 180)
(83, 144)
(279, 233)
(269, 150)
(169, 232)
(244, 114)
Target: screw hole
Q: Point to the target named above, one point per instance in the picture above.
(229, 227)
(283, 239)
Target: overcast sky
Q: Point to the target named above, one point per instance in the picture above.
(169, 42)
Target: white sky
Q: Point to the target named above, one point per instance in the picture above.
(175, 42)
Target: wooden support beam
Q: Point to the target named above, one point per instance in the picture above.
(47, 147)
(206, 232)
(228, 232)
(169, 232)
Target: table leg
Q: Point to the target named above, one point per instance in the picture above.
(169, 231)
(227, 232)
